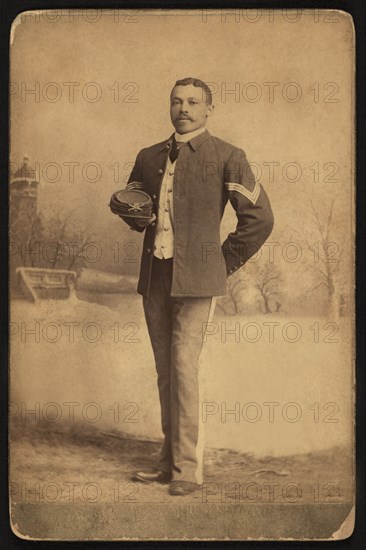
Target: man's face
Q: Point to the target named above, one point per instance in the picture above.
(189, 108)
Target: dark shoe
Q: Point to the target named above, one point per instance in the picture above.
(152, 476)
(182, 488)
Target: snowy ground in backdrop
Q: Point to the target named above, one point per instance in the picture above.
(270, 384)
(85, 409)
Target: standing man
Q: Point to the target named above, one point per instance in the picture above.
(190, 177)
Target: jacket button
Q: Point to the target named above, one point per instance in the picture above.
(161, 171)
(154, 196)
(241, 263)
(230, 271)
(148, 250)
(153, 224)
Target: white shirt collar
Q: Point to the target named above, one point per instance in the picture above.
(189, 135)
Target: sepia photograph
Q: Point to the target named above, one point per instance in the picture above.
(181, 274)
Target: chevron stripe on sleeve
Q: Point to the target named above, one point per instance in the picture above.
(250, 195)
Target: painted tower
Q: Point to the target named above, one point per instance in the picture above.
(22, 215)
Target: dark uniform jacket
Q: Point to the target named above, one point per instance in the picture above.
(209, 172)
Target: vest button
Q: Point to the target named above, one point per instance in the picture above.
(154, 196)
(161, 171)
(148, 250)
(153, 224)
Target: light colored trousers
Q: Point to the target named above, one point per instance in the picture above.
(176, 327)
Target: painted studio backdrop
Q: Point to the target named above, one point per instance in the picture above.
(90, 89)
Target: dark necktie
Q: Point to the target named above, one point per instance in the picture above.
(174, 151)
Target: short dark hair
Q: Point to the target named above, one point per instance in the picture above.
(195, 82)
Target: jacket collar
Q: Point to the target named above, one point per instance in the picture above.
(194, 142)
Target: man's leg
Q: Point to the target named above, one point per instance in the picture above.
(157, 310)
(189, 318)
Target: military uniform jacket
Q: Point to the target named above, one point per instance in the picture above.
(209, 172)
